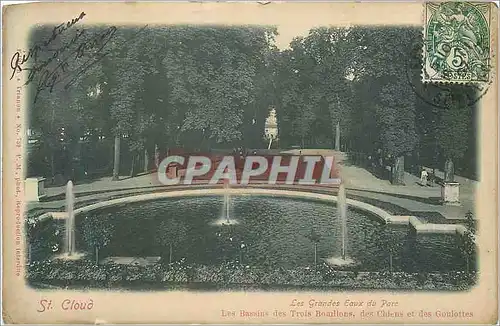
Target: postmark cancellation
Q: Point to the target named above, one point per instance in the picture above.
(457, 42)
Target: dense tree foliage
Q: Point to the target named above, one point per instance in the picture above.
(170, 233)
(97, 232)
(362, 83)
(354, 89)
(189, 86)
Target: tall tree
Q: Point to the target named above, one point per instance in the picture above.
(211, 74)
(396, 119)
(64, 112)
(295, 111)
(126, 85)
(335, 52)
(171, 233)
(452, 131)
(97, 232)
(395, 105)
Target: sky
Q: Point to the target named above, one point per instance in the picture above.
(292, 28)
(286, 35)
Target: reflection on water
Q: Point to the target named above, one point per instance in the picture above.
(271, 231)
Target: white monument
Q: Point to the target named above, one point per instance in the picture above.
(450, 194)
(34, 189)
(271, 127)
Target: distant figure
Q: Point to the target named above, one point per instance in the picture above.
(431, 179)
(423, 177)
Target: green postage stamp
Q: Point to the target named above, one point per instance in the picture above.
(457, 42)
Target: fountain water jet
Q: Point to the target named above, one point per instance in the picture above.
(227, 199)
(342, 213)
(225, 219)
(69, 233)
(69, 241)
(340, 254)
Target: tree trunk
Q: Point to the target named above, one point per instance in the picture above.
(170, 255)
(390, 262)
(467, 268)
(398, 175)
(132, 168)
(146, 160)
(52, 165)
(97, 255)
(449, 171)
(116, 166)
(337, 136)
(416, 164)
(157, 156)
(315, 254)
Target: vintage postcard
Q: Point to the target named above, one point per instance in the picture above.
(273, 163)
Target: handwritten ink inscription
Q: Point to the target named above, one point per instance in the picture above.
(64, 56)
(19, 59)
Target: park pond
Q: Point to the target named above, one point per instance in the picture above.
(267, 236)
(268, 231)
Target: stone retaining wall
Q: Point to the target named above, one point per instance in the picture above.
(382, 215)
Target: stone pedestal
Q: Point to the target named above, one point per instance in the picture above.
(450, 194)
(34, 189)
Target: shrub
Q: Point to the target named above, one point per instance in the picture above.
(228, 275)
